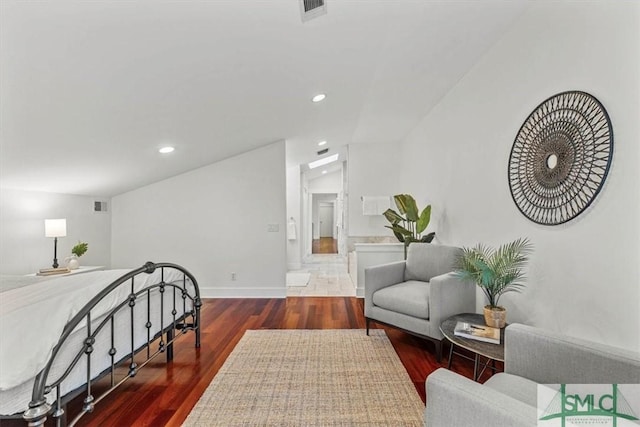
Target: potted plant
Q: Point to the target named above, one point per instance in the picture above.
(77, 251)
(496, 272)
(409, 224)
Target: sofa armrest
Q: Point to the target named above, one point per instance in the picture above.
(449, 295)
(381, 276)
(454, 400)
(551, 358)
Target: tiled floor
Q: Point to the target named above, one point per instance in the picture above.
(329, 277)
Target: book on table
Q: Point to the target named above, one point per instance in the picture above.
(52, 271)
(477, 332)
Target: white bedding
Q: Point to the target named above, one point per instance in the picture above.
(33, 316)
(8, 282)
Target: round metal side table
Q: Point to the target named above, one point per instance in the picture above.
(490, 352)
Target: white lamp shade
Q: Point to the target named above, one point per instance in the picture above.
(55, 227)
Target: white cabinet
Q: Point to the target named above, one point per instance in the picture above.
(370, 254)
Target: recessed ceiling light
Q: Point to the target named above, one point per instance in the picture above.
(321, 143)
(323, 161)
(319, 97)
(166, 150)
(323, 172)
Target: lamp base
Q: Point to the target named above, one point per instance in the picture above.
(55, 252)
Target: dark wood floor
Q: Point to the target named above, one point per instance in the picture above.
(324, 245)
(163, 394)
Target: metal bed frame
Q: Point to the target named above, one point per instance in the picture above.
(189, 320)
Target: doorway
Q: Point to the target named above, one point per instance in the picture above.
(325, 217)
(316, 197)
(325, 240)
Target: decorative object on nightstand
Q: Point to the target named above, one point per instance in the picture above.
(77, 251)
(55, 228)
(409, 228)
(496, 272)
(72, 262)
(52, 271)
(560, 158)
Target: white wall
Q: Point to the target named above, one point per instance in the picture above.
(374, 170)
(329, 183)
(213, 221)
(584, 275)
(294, 211)
(24, 248)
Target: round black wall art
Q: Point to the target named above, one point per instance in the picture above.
(560, 158)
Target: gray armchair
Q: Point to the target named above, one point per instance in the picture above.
(416, 295)
(532, 357)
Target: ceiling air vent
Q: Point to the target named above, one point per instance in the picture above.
(312, 9)
(324, 151)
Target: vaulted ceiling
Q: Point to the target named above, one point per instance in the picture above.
(90, 90)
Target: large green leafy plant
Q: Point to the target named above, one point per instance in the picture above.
(409, 223)
(495, 271)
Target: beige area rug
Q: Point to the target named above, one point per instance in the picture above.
(310, 378)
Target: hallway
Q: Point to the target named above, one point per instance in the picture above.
(322, 275)
(324, 245)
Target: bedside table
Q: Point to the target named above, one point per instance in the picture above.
(85, 269)
(79, 270)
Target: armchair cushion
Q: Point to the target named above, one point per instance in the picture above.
(410, 298)
(426, 260)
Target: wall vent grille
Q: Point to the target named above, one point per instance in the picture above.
(312, 9)
(99, 206)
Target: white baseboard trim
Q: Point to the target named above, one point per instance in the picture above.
(243, 292)
(360, 292)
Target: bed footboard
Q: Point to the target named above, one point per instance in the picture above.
(140, 323)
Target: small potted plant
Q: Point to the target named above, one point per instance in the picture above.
(496, 272)
(77, 251)
(409, 228)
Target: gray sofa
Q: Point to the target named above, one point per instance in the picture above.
(418, 294)
(532, 356)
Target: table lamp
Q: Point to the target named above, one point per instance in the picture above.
(55, 228)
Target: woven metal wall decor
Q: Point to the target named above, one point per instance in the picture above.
(560, 158)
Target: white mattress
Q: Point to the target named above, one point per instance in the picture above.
(33, 316)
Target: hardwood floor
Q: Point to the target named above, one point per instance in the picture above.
(324, 245)
(163, 394)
